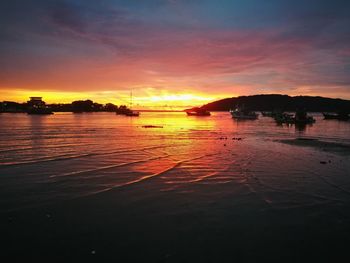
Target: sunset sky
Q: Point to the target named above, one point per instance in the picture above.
(173, 52)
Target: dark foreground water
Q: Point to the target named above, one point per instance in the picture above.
(100, 187)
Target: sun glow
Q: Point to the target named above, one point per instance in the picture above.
(171, 101)
(141, 99)
(180, 97)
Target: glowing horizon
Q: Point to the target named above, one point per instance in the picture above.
(146, 101)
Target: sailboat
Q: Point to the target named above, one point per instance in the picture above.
(129, 112)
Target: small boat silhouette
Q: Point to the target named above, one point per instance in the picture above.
(123, 110)
(244, 114)
(336, 116)
(198, 112)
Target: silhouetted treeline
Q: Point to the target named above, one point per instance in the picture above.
(280, 102)
(75, 106)
(10, 106)
(255, 102)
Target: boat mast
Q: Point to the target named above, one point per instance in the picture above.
(130, 100)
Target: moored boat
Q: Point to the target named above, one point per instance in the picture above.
(267, 113)
(283, 117)
(197, 112)
(336, 116)
(243, 114)
(127, 112)
(301, 117)
(123, 110)
(132, 113)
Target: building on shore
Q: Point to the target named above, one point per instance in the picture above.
(37, 106)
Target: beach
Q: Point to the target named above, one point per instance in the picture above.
(166, 187)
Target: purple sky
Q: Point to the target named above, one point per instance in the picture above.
(172, 50)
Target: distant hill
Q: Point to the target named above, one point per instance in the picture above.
(280, 102)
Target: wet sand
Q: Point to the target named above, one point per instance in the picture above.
(140, 224)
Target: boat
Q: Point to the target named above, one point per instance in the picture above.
(283, 117)
(267, 113)
(198, 112)
(123, 110)
(300, 118)
(271, 114)
(336, 116)
(132, 113)
(243, 114)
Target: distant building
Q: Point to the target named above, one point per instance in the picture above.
(37, 106)
(36, 102)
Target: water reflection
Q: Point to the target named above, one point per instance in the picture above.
(83, 154)
(193, 180)
(301, 127)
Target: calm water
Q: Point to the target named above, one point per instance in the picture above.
(201, 180)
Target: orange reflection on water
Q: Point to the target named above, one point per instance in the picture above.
(81, 154)
(189, 149)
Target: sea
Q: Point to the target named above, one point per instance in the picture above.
(167, 187)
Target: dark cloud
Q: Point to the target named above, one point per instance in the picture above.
(68, 16)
